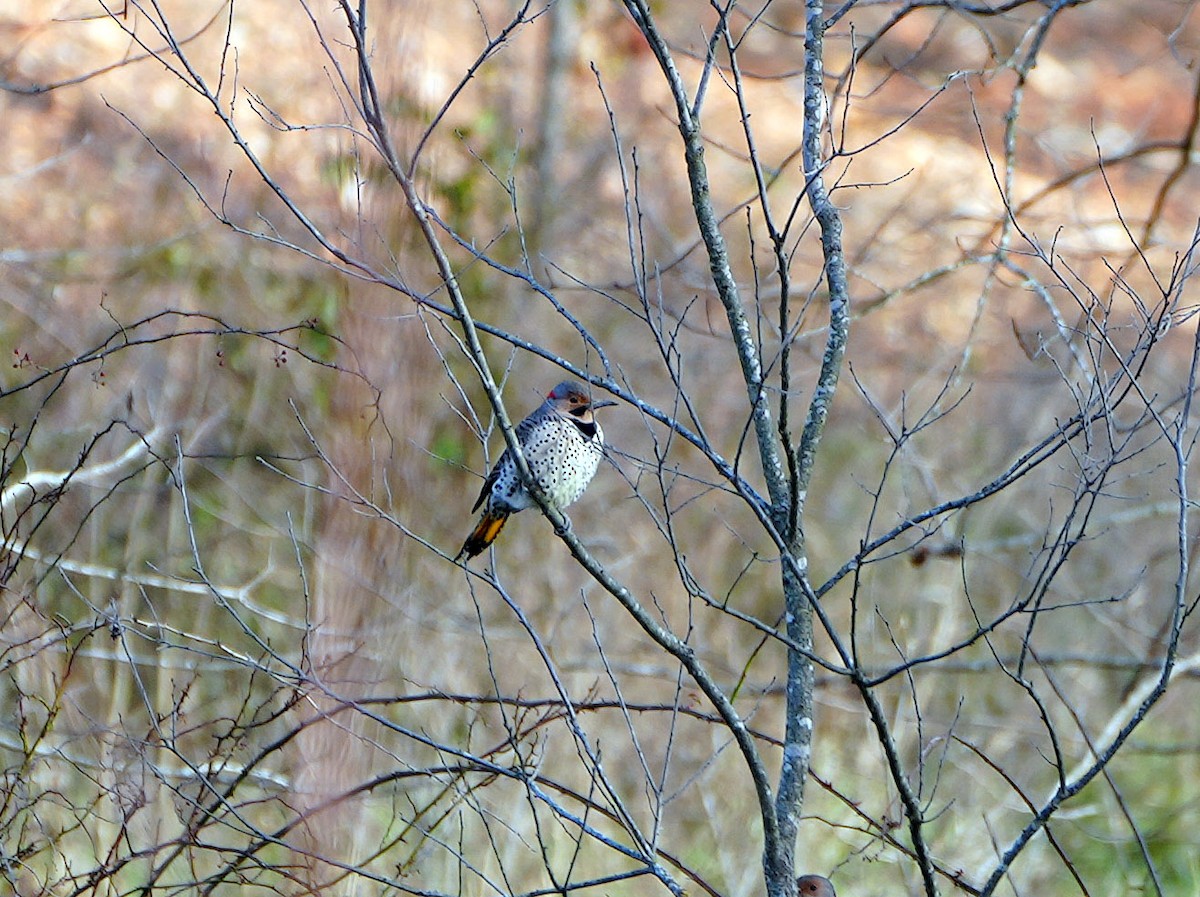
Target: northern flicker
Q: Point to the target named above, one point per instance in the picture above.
(562, 443)
(814, 886)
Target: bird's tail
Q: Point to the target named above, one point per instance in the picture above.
(484, 534)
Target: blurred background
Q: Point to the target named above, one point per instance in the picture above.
(236, 466)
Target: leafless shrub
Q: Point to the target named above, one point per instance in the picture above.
(899, 495)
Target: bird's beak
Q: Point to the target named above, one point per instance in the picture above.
(595, 405)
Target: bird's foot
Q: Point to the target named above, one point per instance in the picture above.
(565, 528)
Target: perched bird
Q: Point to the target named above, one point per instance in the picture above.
(814, 886)
(562, 444)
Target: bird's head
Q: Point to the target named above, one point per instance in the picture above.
(814, 886)
(572, 399)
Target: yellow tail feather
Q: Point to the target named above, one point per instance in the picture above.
(483, 535)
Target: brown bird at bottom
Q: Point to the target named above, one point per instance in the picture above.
(562, 443)
(814, 886)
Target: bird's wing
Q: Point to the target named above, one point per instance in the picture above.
(489, 482)
(523, 429)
